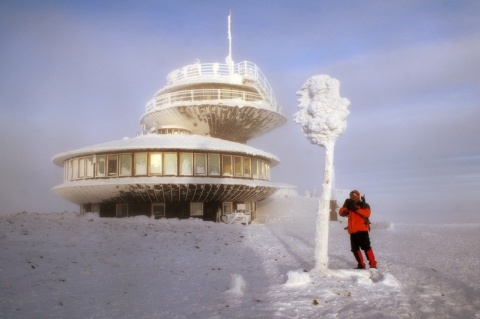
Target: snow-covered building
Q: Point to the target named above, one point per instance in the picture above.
(191, 158)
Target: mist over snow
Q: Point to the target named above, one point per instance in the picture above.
(70, 266)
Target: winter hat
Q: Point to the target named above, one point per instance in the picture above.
(355, 192)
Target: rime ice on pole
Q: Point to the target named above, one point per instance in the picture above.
(322, 116)
(322, 111)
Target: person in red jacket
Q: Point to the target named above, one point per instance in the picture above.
(358, 212)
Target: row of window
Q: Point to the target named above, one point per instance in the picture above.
(165, 164)
(158, 209)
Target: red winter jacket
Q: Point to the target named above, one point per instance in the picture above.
(356, 222)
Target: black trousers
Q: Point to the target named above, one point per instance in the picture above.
(359, 240)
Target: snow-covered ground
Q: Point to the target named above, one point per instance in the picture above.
(67, 266)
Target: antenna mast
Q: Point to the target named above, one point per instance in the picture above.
(229, 57)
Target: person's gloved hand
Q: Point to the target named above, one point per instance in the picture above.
(350, 205)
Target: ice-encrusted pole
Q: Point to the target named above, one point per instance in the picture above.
(322, 116)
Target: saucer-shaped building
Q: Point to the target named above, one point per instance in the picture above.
(191, 160)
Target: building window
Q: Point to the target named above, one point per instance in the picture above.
(170, 167)
(158, 210)
(112, 165)
(167, 164)
(227, 165)
(75, 168)
(125, 164)
(186, 164)
(247, 167)
(122, 210)
(140, 162)
(261, 169)
(254, 168)
(156, 163)
(96, 208)
(100, 165)
(81, 167)
(213, 164)
(70, 170)
(90, 166)
(196, 209)
(200, 164)
(238, 166)
(227, 208)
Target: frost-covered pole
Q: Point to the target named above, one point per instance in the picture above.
(322, 116)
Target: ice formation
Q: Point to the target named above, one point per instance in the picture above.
(297, 278)
(237, 285)
(322, 111)
(322, 116)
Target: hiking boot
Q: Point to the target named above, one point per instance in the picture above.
(359, 259)
(371, 258)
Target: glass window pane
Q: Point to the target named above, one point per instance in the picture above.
(238, 166)
(200, 164)
(170, 167)
(196, 209)
(227, 208)
(81, 167)
(262, 169)
(70, 170)
(186, 164)
(158, 210)
(90, 166)
(126, 164)
(227, 165)
(122, 210)
(247, 167)
(254, 168)
(213, 164)
(140, 163)
(75, 168)
(65, 171)
(112, 161)
(155, 163)
(100, 165)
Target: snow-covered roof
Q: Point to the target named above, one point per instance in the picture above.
(166, 142)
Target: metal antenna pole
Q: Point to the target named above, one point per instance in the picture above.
(229, 57)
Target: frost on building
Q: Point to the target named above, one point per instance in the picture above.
(192, 159)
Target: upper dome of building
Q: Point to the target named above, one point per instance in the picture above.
(228, 101)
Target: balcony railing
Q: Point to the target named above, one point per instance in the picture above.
(247, 70)
(215, 95)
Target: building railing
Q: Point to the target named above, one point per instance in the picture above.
(216, 95)
(247, 70)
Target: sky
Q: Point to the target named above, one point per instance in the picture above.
(79, 73)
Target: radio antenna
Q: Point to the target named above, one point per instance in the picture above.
(229, 60)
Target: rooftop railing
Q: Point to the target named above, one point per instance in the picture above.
(247, 70)
(216, 95)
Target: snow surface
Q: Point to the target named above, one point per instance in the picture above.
(68, 266)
